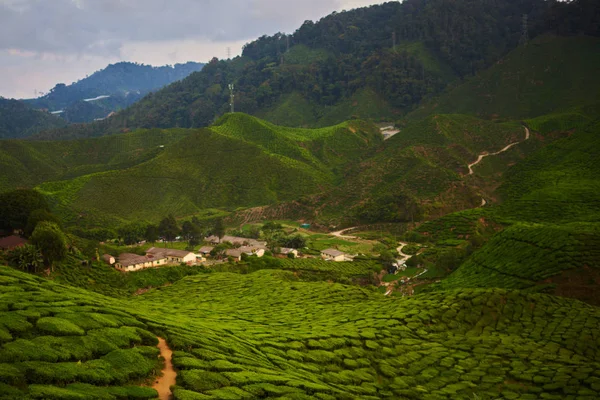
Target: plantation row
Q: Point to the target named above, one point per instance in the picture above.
(526, 254)
(62, 343)
(302, 340)
(351, 269)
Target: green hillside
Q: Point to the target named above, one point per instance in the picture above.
(240, 162)
(18, 120)
(345, 64)
(294, 340)
(550, 205)
(422, 171)
(548, 75)
(29, 163)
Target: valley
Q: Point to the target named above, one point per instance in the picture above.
(403, 206)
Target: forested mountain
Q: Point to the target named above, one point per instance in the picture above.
(19, 120)
(393, 55)
(111, 89)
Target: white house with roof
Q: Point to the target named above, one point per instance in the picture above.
(155, 257)
(134, 262)
(173, 256)
(286, 251)
(333, 255)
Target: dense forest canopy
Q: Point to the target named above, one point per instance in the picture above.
(19, 120)
(110, 89)
(399, 53)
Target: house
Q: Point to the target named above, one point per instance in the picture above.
(205, 250)
(10, 242)
(287, 251)
(173, 256)
(135, 262)
(236, 240)
(253, 250)
(107, 258)
(236, 254)
(333, 255)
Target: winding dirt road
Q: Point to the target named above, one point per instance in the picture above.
(168, 375)
(340, 234)
(482, 156)
(403, 256)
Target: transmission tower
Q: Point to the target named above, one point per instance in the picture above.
(229, 53)
(525, 30)
(231, 98)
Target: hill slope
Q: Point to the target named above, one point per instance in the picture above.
(239, 162)
(295, 339)
(548, 75)
(18, 120)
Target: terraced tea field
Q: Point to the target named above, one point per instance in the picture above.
(269, 335)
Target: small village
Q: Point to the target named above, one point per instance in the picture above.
(241, 248)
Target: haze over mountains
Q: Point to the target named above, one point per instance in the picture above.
(490, 188)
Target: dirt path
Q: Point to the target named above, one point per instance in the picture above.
(341, 235)
(167, 379)
(482, 156)
(403, 256)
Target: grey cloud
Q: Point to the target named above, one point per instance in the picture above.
(100, 27)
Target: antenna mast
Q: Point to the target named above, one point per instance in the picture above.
(231, 98)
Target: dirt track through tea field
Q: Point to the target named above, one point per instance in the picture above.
(168, 375)
(482, 156)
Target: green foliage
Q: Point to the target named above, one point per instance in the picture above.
(51, 241)
(37, 216)
(17, 206)
(529, 87)
(17, 120)
(58, 326)
(124, 83)
(26, 258)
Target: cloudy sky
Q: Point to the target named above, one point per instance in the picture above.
(44, 42)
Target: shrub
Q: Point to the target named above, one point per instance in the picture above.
(58, 326)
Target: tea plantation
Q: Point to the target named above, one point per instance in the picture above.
(269, 335)
(60, 342)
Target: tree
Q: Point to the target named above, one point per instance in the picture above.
(168, 228)
(151, 234)
(387, 259)
(51, 241)
(38, 216)
(294, 242)
(131, 233)
(26, 258)
(16, 206)
(219, 229)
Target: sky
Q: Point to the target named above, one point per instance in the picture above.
(45, 42)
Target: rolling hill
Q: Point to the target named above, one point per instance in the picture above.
(241, 161)
(293, 339)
